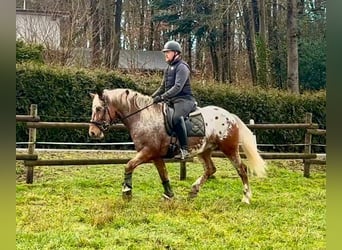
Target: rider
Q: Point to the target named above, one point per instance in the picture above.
(176, 90)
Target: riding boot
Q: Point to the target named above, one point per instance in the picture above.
(182, 136)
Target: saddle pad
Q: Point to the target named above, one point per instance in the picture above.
(197, 125)
(194, 123)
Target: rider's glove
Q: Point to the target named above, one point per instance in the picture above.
(157, 99)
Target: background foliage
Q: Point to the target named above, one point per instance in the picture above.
(62, 94)
(29, 52)
(229, 41)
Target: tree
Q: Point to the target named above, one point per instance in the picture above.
(249, 36)
(108, 31)
(261, 45)
(292, 47)
(276, 51)
(95, 33)
(117, 32)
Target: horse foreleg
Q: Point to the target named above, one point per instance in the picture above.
(209, 170)
(163, 174)
(140, 157)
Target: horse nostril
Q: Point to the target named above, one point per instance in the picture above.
(91, 133)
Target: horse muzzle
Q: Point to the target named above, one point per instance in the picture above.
(95, 132)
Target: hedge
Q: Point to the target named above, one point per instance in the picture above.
(62, 94)
(269, 106)
(29, 52)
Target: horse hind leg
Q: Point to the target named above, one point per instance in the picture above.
(242, 171)
(209, 170)
(247, 192)
(233, 155)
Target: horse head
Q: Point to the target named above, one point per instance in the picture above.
(103, 114)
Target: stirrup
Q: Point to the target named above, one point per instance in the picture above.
(183, 154)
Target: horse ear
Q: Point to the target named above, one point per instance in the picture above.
(92, 95)
(99, 91)
(100, 94)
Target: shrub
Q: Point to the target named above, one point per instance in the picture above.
(29, 52)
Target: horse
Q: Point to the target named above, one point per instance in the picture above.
(145, 122)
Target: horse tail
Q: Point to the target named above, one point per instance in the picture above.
(248, 143)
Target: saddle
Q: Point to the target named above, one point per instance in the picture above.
(194, 122)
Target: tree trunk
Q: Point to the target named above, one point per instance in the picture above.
(95, 38)
(142, 24)
(292, 47)
(213, 54)
(199, 56)
(108, 13)
(150, 38)
(225, 65)
(262, 47)
(255, 16)
(117, 33)
(249, 32)
(189, 47)
(276, 63)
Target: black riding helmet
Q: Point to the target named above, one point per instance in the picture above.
(172, 45)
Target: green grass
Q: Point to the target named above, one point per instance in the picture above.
(82, 208)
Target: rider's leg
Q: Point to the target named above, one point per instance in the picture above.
(180, 130)
(182, 109)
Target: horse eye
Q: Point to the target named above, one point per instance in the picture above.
(98, 109)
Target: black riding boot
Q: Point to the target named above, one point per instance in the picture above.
(182, 136)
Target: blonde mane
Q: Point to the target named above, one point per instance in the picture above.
(128, 98)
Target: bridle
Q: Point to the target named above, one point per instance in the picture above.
(104, 125)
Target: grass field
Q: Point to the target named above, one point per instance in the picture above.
(81, 208)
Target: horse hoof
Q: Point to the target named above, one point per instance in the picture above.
(127, 195)
(166, 197)
(192, 195)
(246, 200)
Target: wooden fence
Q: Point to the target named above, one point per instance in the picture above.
(33, 122)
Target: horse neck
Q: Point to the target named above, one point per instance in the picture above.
(141, 118)
(129, 113)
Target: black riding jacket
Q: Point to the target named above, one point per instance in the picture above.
(176, 82)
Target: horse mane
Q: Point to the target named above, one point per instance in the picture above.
(139, 100)
(130, 98)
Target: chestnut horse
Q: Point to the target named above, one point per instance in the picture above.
(145, 122)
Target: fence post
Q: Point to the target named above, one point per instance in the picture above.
(182, 174)
(31, 145)
(307, 147)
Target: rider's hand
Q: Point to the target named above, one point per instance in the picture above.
(157, 99)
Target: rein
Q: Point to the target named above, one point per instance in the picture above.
(135, 112)
(104, 125)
